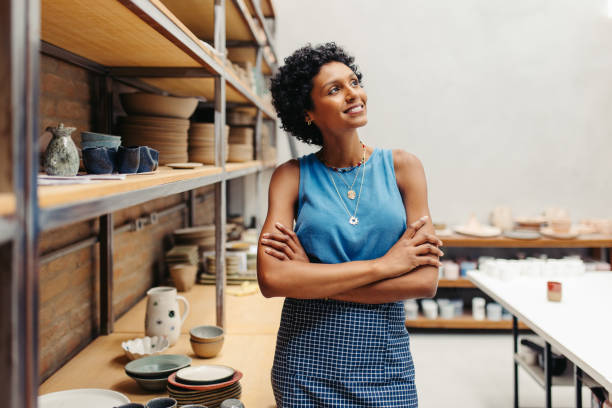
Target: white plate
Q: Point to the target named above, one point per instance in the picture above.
(83, 397)
(482, 232)
(188, 165)
(205, 373)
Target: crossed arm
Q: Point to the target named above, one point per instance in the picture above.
(408, 270)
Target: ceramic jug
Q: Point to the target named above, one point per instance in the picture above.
(163, 317)
(61, 155)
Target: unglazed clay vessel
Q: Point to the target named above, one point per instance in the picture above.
(61, 156)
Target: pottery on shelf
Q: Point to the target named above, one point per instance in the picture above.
(148, 159)
(163, 317)
(99, 160)
(128, 159)
(144, 346)
(61, 155)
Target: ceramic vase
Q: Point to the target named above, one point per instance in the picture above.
(61, 155)
(163, 317)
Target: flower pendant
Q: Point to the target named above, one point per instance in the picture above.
(353, 220)
(351, 194)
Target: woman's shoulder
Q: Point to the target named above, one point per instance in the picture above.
(405, 161)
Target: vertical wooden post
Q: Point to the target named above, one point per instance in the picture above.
(106, 274)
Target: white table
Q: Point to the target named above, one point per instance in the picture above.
(579, 327)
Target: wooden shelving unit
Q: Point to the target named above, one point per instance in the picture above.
(455, 283)
(464, 322)
(585, 241)
(143, 44)
(458, 241)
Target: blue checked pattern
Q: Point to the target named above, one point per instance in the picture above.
(341, 354)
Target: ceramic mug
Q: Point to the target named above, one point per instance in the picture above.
(128, 159)
(163, 318)
(148, 159)
(99, 160)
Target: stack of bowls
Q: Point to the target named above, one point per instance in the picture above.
(206, 341)
(160, 122)
(152, 372)
(202, 143)
(196, 387)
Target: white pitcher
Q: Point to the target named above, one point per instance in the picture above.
(163, 317)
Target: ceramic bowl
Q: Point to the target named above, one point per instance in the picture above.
(560, 225)
(144, 346)
(93, 136)
(157, 366)
(163, 402)
(206, 350)
(151, 384)
(149, 159)
(99, 160)
(231, 403)
(142, 103)
(100, 143)
(206, 334)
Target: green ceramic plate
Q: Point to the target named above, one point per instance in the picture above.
(157, 366)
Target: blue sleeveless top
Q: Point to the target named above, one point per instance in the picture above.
(332, 353)
(322, 222)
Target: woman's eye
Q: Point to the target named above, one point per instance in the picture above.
(333, 90)
(355, 82)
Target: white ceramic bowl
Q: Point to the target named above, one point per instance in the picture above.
(144, 346)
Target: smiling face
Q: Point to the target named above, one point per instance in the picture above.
(339, 101)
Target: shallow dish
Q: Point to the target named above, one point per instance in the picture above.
(157, 366)
(550, 233)
(172, 381)
(206, 334)
(144, 346)
(483, 231)
(522, 234)
(205, 374)
(187, 165)
(83, 397)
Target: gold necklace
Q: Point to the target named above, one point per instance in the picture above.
(350, 192)
(353, 220)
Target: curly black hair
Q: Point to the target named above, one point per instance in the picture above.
(292, 84)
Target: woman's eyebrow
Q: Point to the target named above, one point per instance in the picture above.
(351, 76)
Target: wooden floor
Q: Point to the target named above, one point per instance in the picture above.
(252, 323)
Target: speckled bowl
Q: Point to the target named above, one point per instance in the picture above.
(144, 346)
(206, 334)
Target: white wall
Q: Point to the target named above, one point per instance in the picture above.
(505, 102)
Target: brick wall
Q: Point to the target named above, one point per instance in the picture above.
(69, 303)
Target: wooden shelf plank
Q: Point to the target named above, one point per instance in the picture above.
(464, 322)
(586, 241)
(101, 365)
(199, 17)
(455, 283)
(7, 204)
(50, 196)
(110, 34)
(267, 8)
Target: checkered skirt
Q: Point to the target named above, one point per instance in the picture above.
(341, 354)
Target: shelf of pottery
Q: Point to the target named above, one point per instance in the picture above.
(162, 46)
(548, 245)
(192, 259)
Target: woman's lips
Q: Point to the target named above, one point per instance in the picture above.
(355, 110)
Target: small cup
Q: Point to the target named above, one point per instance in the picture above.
(206, 350)
(494, 312)
(131, 405)
(411, 308)
(447, 311)
(478, 308)
(148, 159)
(162, 402)
(99, 160)
(231, 403)
(430, 308)
(128, 159)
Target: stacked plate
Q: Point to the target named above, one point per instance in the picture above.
(241, 135)
(202, 142)
(207, 385)
(182, 254)
(240, 153)
(203, 237)
(235, 263)
(166, 135)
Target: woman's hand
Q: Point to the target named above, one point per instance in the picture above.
(284, 245)
(414, 248)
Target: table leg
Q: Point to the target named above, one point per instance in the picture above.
(578, 382)
(515, 345)
(548, 374)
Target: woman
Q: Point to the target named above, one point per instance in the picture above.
(351, 260)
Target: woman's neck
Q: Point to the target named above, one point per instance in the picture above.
(341, 151)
